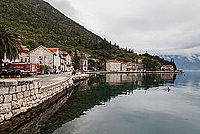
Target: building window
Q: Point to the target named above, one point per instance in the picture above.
(40, 62)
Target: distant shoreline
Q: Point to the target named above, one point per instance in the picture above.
(191, 70)
(149, 72)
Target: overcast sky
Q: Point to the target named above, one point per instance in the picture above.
(156, 26)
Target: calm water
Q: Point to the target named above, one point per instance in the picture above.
(132, 104)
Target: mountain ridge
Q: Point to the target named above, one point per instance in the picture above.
(41, 24)
(185, 62)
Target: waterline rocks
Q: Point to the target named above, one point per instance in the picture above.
(17, 96)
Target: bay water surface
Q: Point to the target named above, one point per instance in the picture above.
(131, 104)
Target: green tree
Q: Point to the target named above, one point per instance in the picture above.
(61, 31)
(30, 43)
(10, 47)
(76, 61)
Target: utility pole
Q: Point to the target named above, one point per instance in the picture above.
(44, 60)
(53, 61)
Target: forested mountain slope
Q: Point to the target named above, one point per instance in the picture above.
(40, 23)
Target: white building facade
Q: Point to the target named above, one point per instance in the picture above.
(113, 66)
(167, 68)
(52, 57)
(66, 62)
(123, 66)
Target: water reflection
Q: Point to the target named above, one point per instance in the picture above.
(95, 111)
(140, 80)
(189, 79)
(117, 79)
(101, 90)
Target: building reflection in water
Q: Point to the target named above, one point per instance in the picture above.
(139, 79)
(97, 91)
(118, 78)
(168, 77)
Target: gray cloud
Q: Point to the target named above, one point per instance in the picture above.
(64, 6)
(155, 26)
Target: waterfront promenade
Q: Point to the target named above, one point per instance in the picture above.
(21, 97)
(53, 78)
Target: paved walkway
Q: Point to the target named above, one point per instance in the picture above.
(53, 78)
(49, 79)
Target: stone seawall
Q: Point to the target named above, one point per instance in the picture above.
(46, 110)
(18, 96)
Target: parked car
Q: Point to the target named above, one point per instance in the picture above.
(52, 71)
(57, 71)
(15, 74)
(38, 71)
(78, 73)
(3, 73)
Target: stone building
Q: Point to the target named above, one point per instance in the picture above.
(84, 64)
(131, 66)
(85, 55)
(52, 57)
(140, 67)
(66, 61)
(113, 66)
(123, 66)
(167, 68)
(69, 65)
(84, 61)
(43, 56)
(57, 58)
(23, 57)
(138, 60)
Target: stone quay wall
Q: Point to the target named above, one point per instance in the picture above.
(17, 96)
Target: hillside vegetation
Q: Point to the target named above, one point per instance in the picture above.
(41, 24)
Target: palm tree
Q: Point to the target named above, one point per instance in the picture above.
(10, 46)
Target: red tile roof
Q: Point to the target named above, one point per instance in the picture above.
(129, 63)
(84, 52)
(53, 49)
(89, 58)
(97, 60)
(24, 48)
(50, 49)
(167, 66)
(64, 52)
(113, 61)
